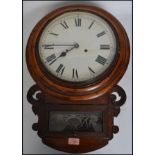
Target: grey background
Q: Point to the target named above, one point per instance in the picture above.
(33, 11)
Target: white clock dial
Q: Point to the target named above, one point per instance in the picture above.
(77, 46)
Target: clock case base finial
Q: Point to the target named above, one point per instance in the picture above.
(109, 104)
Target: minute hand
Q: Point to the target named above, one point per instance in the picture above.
(61, 44)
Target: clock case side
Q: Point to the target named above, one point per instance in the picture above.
(66, 91)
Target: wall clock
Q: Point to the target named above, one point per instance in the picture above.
(77, 54)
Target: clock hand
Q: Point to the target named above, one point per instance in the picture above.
(76, 45)
(63, 45)
(61, 55)
(65, 52)
(50, 45)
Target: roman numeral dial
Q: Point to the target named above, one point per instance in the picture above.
(104, 47)
(64, 25)
(46, 46)
(51, 58)
(60, 69)
(78, 22)
(100, 34)
(54, 34)
(91, 70)
(77, 46)
(101, 60)
(92, 23)
(75, 73)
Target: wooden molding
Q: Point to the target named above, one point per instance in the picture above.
(71, 92)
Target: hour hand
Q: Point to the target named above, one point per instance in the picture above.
(53, 61)
(64, 53)
(61, 55)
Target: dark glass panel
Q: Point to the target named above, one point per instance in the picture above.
(75, 121)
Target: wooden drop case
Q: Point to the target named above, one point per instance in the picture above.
(76, 118)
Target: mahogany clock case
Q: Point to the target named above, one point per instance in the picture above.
(27, 89)
(87, 89)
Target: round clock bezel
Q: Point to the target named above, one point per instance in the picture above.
(79, 90)
(77, 84)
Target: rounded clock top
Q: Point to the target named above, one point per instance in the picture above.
(77, 51)
(77, 46)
